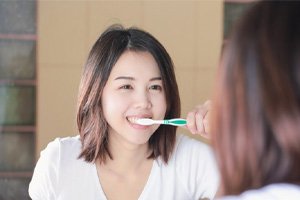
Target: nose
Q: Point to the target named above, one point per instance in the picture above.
(143, 100)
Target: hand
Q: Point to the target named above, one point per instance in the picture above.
(198, 120)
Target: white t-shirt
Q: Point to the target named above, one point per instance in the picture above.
(191, 174)
(279, 191)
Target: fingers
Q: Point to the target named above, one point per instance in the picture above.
(207, 107)
(206, 123)
(191, 122)
(198, 120)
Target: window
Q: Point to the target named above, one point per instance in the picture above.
(17, 96)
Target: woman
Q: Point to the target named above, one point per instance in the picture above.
(256, 115)
(128, 75)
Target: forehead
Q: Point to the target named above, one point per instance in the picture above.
(136, 64)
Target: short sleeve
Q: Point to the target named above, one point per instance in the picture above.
(196, 163)
(44, 181)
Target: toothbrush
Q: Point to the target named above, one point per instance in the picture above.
(173, 122)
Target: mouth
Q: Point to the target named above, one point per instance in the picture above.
(133, 119)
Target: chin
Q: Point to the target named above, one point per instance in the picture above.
(140, 140)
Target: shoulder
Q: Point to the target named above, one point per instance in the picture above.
(47, 173)
(66, 142)
(195, 155)
(57, 151)
(192, 146)
(62, 146)
(196, 165)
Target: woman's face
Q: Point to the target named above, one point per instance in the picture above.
(134, 90)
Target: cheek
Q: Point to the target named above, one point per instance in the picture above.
(107, 103)
(161, 106)
(111, 105)
(106, 106)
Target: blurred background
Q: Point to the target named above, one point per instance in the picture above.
(44, 44)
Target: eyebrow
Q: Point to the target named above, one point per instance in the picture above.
(132, 79)
(124, 77)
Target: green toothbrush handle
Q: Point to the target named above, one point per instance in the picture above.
(175, 122)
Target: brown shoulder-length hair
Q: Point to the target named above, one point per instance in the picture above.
(91, 123)
(256, 117)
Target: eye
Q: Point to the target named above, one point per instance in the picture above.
(156, 87)
(126, 87)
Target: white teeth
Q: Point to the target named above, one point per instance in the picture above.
(133, 119)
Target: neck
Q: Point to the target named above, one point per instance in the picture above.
(127, 157)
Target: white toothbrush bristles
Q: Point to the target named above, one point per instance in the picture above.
(144, 121)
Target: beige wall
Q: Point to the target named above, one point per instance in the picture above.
(191, 31)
